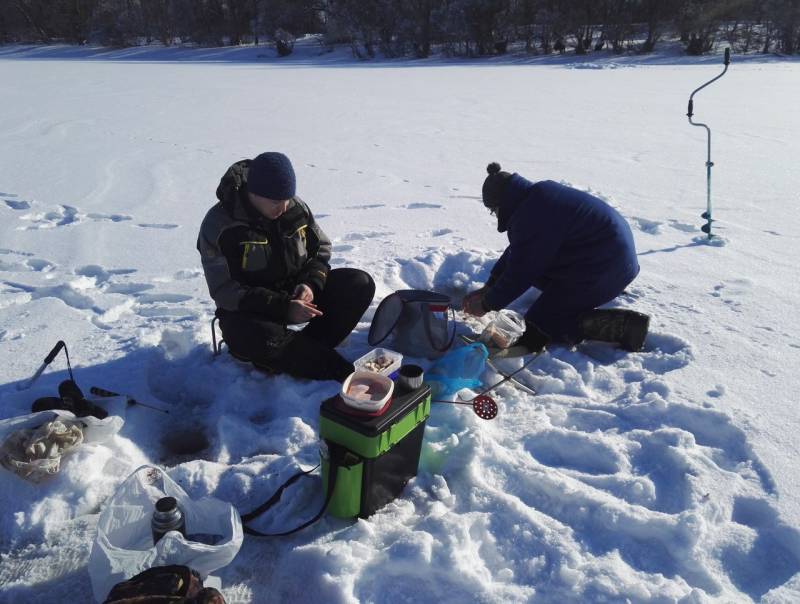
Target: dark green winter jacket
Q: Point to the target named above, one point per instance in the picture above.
(251, 263)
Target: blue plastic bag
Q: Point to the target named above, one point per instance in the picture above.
(459, 368)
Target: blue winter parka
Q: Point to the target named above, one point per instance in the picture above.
(558, 236)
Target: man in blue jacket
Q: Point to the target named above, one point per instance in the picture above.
(573, 247)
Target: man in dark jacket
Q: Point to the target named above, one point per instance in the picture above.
(265, 260)
(573, 247)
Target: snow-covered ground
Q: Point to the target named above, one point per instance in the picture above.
(664, 476)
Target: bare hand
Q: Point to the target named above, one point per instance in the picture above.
(473, 304)
(301, 311)
(303, 292)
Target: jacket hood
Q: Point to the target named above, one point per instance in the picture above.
(515, 191)
(231, 188)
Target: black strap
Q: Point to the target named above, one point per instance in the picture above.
(426, 320)
(333, 470)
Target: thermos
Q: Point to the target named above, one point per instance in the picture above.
(167, 517)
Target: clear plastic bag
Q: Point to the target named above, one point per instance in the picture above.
(124, 544)
(459, 368)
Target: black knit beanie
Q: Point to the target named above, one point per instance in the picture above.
(271, 175)
(494, 185)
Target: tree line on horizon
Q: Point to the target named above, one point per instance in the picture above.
(417, 28)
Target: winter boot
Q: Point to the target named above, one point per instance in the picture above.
(627, 328)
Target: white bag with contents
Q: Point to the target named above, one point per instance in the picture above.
(124, 544)
(32, 446)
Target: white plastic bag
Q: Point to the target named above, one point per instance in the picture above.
(124, 544)
(16, 430)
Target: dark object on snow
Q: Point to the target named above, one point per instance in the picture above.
(494, 185)
(627, 328)
(417, 319)
(164, 585)
(70, 399)
(706, 228)
(70, 396)
(272, 176)
(167, 517)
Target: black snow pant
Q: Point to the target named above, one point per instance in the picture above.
(309, 353)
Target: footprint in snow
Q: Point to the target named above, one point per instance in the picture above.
(62, 216)
(168, 313)
(765, 554)
(683, 226)
(421, 206)
(574, 451)
(8, 251)
(368, 206)
(71, 294)
(188, 273)
(651, 227)
(367, 235)
(128, 289)
(109, 217)
(156, 225)
(40, 266)
(24, 263)
(168, 298)
(100, 274)
(729, 292)
(17, 205)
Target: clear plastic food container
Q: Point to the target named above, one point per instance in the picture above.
(380, 360)
(505, 329)
(367, 391)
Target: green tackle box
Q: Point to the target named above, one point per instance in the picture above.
(376, 455)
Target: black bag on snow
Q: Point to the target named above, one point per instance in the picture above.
(418, 320)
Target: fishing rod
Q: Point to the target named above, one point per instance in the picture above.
(102, 392)
(706, 228)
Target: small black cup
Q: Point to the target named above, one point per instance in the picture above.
(410, 377)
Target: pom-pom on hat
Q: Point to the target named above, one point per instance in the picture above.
(494, 185)
(271, 175)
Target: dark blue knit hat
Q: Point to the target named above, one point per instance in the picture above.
(271, 175)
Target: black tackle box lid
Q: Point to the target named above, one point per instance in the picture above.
(400, 406)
